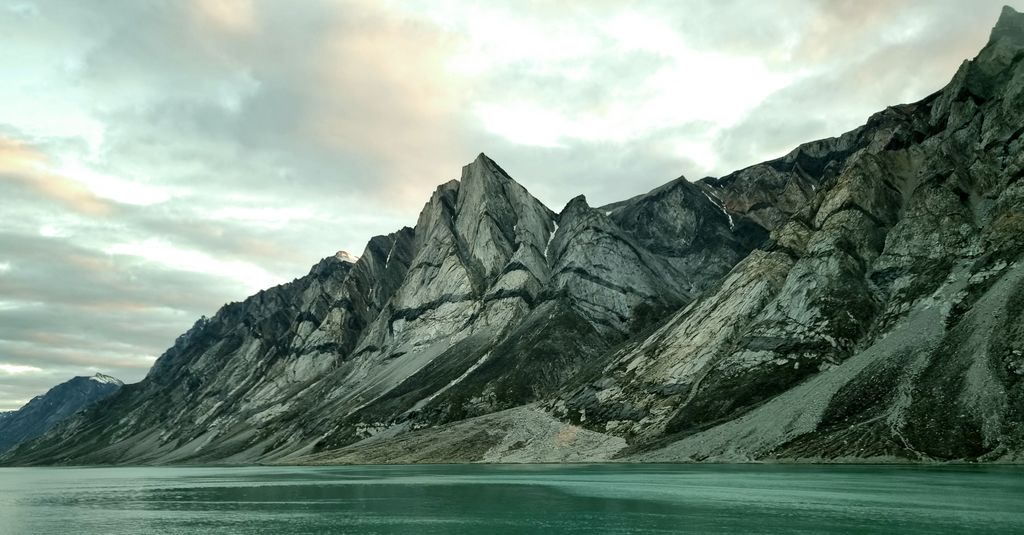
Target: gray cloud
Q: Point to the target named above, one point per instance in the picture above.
(158, 159)
(831, 101)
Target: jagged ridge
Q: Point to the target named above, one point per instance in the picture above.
(810, 307)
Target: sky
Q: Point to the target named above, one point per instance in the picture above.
(159, 159)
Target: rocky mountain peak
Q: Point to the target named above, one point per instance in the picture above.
(330, 264)
(1004, 44)
(576, 204)
(1009, 26)
(106, 379)
(495, 215)
(483, 164)
(483, 177)
(346, 256)
(44, 412)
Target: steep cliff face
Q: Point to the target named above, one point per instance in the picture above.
(858, 298)
(490, 302)
(43, 412)
(895, 286)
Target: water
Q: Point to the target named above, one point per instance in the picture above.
(513, 499)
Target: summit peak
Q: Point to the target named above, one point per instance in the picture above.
(1010, 25)
(106, 379)
(346, 256)
(483, 168)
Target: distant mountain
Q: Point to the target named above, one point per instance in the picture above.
(859, 299)
(60, 402)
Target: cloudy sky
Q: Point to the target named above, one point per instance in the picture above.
(159, 159)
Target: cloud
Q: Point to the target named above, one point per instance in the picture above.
(846, 87)
(26, 169)
(379, 94)
(16, 369)
(841, 28)
(70, 310)
(229, 16)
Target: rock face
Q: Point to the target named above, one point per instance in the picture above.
(859, 298)
(880, 321)
(61, 402)
(491, 302)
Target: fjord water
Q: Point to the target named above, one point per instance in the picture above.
(513, 499)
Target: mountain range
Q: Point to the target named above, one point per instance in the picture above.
(859, 299)
(61, 402)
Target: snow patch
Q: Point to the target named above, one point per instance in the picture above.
(106, 379)
(718, 202)
(551, 238)
(346, 256)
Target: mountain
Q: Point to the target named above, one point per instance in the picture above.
(61, 402)
(857, 299)
(490, 302)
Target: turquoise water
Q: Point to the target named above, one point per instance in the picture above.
(513, 499)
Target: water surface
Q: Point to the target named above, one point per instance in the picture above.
(513, 499)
